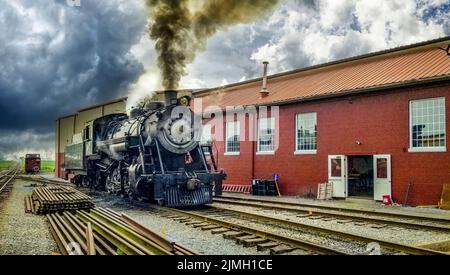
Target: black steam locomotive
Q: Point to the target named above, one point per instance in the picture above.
(153, 154)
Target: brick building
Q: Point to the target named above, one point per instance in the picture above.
(372, 125)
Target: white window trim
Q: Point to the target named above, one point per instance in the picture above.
(305, 152)
(302, 152)
(230, 154)
(266, 153)
(426, 149)
(258, 149)
(226, 139)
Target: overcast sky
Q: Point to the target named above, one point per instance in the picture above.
(56, 58)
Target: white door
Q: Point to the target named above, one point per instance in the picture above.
(382, 176)
(337, 175)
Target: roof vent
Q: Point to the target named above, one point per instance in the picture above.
(264, 92)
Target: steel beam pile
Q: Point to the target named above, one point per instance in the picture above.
(54, 199)
(105, 232)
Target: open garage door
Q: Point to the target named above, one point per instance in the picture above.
(337, 175)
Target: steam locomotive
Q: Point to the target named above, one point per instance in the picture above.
(154, 153)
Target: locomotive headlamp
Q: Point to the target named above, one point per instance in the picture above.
(184, 101)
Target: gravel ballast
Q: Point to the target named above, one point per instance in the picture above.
(21, 233)
(203, 242)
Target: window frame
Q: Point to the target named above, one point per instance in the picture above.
(440, 149)
(227, 152)
(206, 126)
(304, 152)
(258, 145)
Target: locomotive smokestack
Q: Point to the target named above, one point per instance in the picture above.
(170, 97)
(264, 91)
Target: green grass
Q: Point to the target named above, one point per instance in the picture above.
(47, 166)
(5, 164)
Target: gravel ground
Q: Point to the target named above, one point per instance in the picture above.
(21, 233)
(357, 204)
(200, 241)
(390, 233)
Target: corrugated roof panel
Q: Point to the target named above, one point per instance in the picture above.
(371, 72)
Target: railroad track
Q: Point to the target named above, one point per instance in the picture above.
(332, 213)
(6, 180)
(240, 225)
(246, 235)
(246, 228)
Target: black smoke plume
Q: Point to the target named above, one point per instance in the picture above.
(181, 28)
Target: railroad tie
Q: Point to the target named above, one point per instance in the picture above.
(210, 227)
(378, 226)
(253, 242)
(201, 225)
(193, 222)
(266, 246)
(219, 230)
(233, 234)
(344, 221)
(239, 240)
(281, 249)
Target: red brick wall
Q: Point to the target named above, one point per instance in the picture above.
(380, 121)
(59, 170)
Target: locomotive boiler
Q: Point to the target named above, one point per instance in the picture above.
(154, 153)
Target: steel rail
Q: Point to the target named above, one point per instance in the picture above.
(387, 244)
(300, 244)
(274, 206)
(343, 209)
(11, 174)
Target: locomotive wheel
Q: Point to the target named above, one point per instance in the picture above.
(85, 182)
(126, 190)
(99, 183)
(113, 183)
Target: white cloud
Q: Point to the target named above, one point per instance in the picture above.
(339, 29)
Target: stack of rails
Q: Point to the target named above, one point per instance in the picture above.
(105, 232)
(54, 199)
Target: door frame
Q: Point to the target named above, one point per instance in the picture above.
(389, 174)
(344, 175)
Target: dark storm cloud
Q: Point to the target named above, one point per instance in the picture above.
(55, 58)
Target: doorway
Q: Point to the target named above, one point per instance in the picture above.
(367, 176)
(360, 176)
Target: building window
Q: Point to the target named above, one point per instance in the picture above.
(306, 133)
(427, 129)
(206, 139)
(266, 135)
(233, 133)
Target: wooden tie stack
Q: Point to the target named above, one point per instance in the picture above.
(54, 199)
(325, 191)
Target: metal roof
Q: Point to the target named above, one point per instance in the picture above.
(408, 65)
